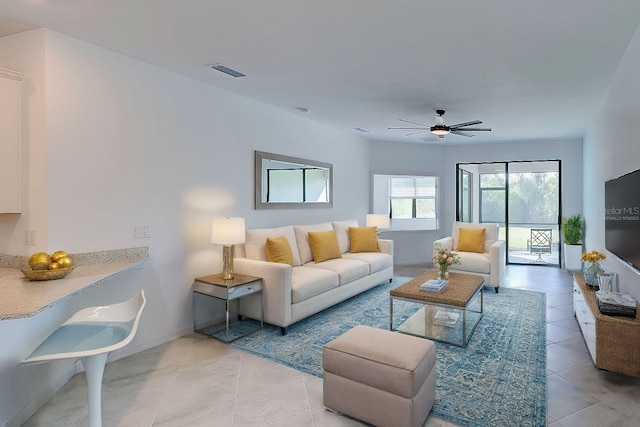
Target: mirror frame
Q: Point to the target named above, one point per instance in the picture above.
(261, 155)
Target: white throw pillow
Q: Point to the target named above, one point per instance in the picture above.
(342, 233)
(255, 241)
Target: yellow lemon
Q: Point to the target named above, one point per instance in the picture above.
(39, 261)
(65, 262)
(57, 255)
(53, 266)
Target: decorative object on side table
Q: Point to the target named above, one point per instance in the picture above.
(592, 270)
(616, 304)
(227, 232)
(605, 281)
(444, 259)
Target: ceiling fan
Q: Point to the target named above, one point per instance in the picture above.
(440, 129)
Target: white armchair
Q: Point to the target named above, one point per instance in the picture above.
(490, 264)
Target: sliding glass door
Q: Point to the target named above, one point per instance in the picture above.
(523, 197)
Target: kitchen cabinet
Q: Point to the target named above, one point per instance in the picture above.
(10, 141)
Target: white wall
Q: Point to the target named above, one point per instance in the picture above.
(130, 143)
(441, 160)
(612, 149)
(410, 247)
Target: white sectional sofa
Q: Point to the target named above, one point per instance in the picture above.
(292, 293)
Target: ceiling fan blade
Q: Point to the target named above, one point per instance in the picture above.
(416, 133)
(475, 122)
(475, 129)
(415, 123)
(408, 128)
(457, 132)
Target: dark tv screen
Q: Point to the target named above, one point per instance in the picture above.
(622, 217)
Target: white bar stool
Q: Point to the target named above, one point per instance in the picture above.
(91, 334)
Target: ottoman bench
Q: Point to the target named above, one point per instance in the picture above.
(381, 377)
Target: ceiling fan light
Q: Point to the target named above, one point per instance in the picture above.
(440, 130)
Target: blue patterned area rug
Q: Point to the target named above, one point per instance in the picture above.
(499, 379)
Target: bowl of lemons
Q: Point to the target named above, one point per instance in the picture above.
(48, 267)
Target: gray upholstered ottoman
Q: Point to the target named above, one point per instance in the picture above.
(381, 377)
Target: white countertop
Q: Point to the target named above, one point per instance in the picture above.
(20, 297)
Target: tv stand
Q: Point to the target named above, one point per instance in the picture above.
(613, 341)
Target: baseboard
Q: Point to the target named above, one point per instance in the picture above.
(43, 396)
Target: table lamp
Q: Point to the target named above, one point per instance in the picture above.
(381, 222)
(227, 232)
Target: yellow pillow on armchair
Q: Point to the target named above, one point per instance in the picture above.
(324, 245)
(471, 240)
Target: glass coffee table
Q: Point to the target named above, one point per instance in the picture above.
(450, 315)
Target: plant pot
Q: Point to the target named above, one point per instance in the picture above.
(572, 254)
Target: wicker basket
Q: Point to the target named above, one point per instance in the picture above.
(46, 274)
(617, 338)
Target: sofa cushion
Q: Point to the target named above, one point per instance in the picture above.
(490, 234)
(364, 239)
(308, 282)
(347, 269)
(471, 240)
(474, 262)
(342, 233)
(279, 250)
(324, 245)
(377, 261)
(255, 241)
(302, 239)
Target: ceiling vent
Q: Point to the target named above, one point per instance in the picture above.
(229, 71)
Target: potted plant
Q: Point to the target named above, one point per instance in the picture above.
(572, 238)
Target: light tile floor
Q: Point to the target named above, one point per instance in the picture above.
(195, 381)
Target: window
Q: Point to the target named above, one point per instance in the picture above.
(465, 195)
(410, 201)
(412, 197)
(492, 197)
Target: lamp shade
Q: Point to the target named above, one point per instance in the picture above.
(380, 221)
(227, 231)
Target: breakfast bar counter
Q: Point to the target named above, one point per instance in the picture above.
(21, 298)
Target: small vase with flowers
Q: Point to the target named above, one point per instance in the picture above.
(593, 269)
(443, 259)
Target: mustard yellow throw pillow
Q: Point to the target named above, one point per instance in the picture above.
(324, 245)
(279, 250)
(364, 239)
(471, 240)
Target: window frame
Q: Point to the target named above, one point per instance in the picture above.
(382, 202)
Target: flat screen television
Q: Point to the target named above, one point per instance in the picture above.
(622, 217)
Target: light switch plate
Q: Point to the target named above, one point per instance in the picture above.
(141, 231)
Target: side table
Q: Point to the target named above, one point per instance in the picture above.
(227, 290)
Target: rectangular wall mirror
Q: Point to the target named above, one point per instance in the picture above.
(284, 182)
